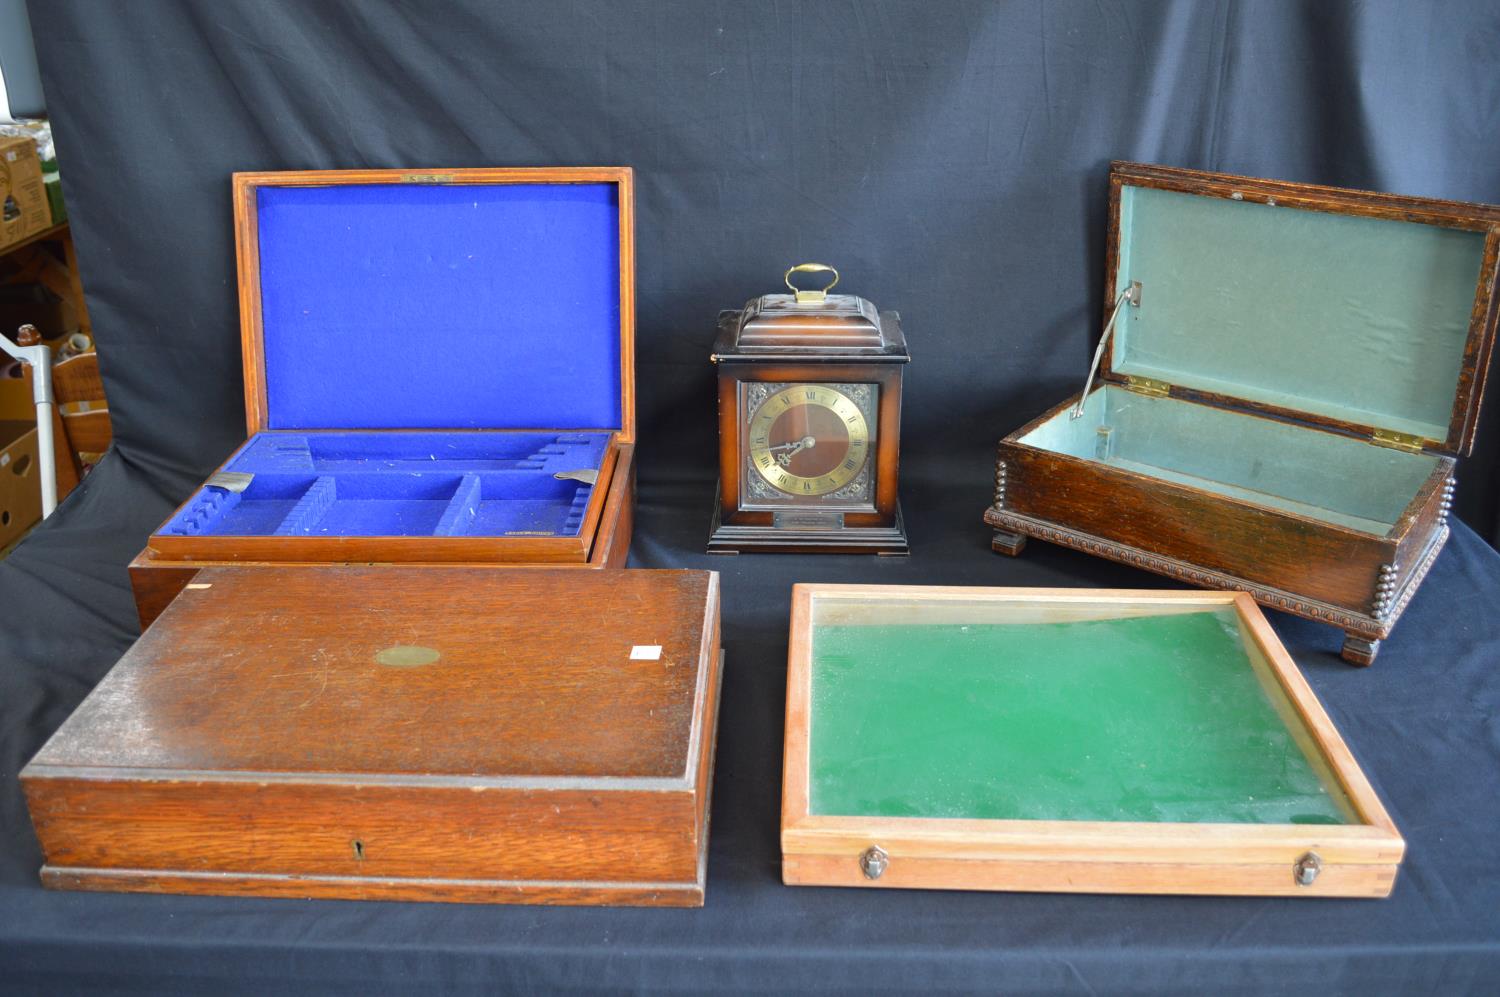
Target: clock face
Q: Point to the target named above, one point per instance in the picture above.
(809, 440)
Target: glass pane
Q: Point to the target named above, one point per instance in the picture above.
(1052, 711)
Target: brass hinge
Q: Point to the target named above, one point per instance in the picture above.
(1147, 386)
(1407, 442)
(427, 178)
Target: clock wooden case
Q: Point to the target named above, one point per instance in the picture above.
(1286, 377)
(439, 369)
(809, 424)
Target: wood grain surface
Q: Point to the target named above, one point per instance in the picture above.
(1330, 563)
(510, 727)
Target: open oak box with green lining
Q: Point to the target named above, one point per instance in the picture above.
(1285, 380)
(1065, 740)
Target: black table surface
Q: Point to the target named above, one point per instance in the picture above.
(1422, 722)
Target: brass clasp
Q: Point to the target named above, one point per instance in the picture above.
(1408, 442)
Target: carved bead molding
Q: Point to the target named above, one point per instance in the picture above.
(1385, 588)
(1369, 627)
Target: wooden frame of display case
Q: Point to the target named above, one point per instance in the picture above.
(1353, 860)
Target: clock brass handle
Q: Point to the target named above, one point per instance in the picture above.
(806, 297)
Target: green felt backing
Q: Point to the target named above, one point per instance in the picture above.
(1354, 318)
(1337, 479)
(1156, 718)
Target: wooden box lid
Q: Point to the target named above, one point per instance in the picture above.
(460, 299)
(1371, 314)
(402, 726)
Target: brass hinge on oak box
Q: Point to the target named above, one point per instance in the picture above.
(1407, 442)
(1147, 386)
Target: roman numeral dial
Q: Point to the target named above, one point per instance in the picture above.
(808, 439)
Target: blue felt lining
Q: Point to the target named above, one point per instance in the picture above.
(400, 484)
(463, 306)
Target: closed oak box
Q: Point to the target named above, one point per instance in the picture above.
(438, 370)
(1286, 379)
(476, 734)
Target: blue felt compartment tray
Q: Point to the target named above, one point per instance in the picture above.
(394, 484)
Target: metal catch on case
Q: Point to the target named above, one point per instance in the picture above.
(873, 862)
(1307, 868)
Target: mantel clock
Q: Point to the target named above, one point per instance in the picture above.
(809, 423)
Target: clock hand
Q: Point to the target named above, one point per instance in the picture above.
(793, 448)
(806, 443)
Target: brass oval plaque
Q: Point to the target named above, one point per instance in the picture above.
(407, 656)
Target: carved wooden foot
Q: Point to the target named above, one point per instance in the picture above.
(1005, 542)
(1359, 650)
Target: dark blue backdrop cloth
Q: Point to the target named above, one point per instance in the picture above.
(950, 159)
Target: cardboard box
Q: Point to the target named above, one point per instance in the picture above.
(20, 486)
(24, 210)
(16, 404)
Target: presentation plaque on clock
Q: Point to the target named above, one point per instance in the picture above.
(809, 423)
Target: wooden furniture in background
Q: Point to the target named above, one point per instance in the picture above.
(80, 417)
(465, 734)
(48, 258)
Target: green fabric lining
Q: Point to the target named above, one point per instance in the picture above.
(1336, 479)
(1354, 318)
(1157, 718)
